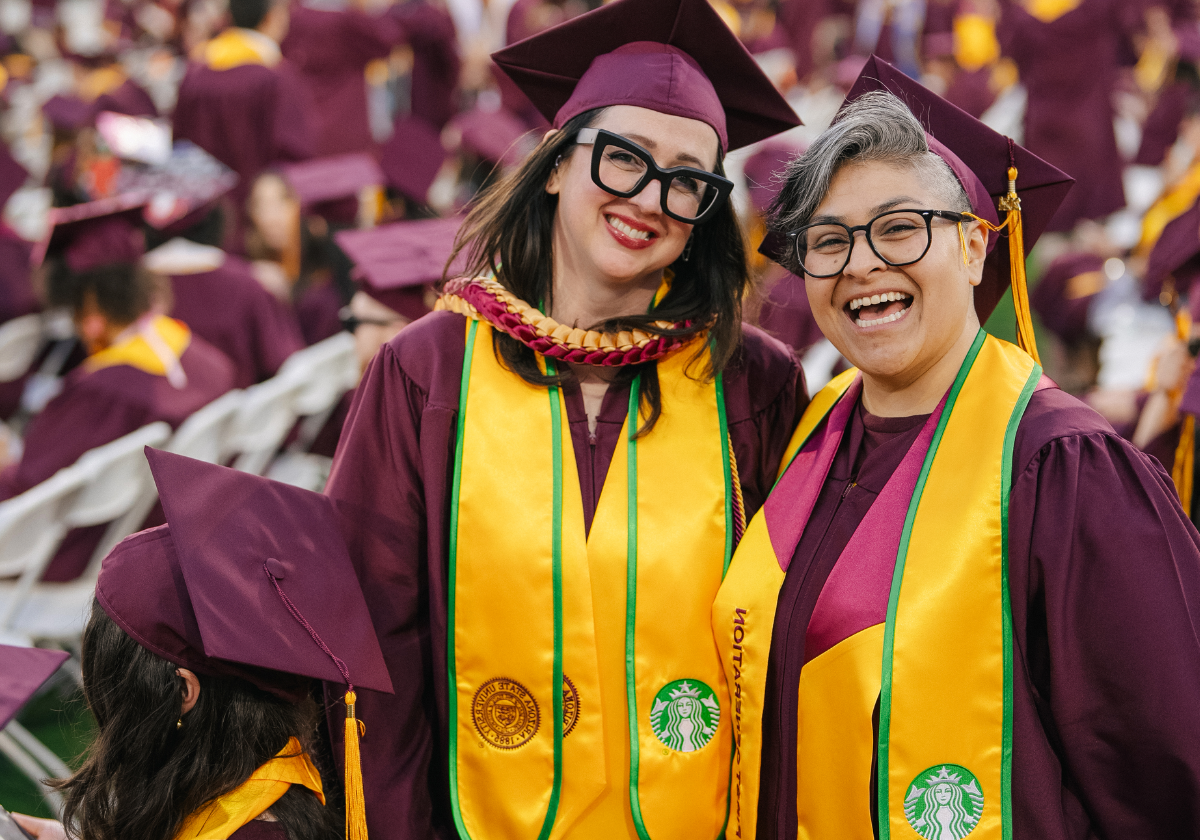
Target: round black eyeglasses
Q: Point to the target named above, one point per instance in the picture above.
(623, 168)
(898, 237)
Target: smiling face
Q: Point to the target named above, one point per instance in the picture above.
(897, 324)
(625, 241)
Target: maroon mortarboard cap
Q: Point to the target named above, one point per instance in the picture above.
(411, 157)
(764, 172)
(673, 56)
(22, 672)
(980, 158)
(332, 178)
(248, 577)
(496, 136)
(1190, 403)
(396, 262)
(68, 113)
(12, 175)
(128, 98)
(96, 233)
(1176, 255)
(1064, 295)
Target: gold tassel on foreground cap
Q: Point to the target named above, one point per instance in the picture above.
(1011, 204)
(356, 806)
(1183, 469)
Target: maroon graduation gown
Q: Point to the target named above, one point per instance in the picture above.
(248, 117)
(331, 50)
(232, 311)
(1104, 574)
(429, 31)
(391, 483)
(16, 299)
(97, 407)
(260, 830)
(1069, 68)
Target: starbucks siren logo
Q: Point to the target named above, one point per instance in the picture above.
(685, 715)
(944, 803)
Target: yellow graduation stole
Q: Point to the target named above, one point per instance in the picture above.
(235, 47)
(155, 348)
(226, 814)
(586, 695)
(944, 752)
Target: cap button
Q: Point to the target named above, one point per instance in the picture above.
(276, 568)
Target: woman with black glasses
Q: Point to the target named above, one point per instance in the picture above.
(548, 477)
(968, 608)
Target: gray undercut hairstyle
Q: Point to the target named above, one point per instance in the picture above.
(876, 126)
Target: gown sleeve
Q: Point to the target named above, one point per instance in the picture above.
(377, 484)
(1109, 566)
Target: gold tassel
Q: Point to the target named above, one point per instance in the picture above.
(356, 809)
(1016, 256)
(1185, 456)
(1183, 469)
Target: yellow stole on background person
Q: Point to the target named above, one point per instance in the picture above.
(944, 750)
(226, 814)
(587, 699)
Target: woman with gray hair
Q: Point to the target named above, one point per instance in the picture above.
(968, 607)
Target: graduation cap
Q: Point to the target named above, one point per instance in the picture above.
(68, 113)
(1065, 293)
(411, 158)
(397, 262)
(1001, 180)
(96, 233)
(331, 178)
(1174, 262)
(764, 172)
(249, 578)
(498, 136)
(673, 56)
(23, 670)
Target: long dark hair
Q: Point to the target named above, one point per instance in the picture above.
(509, 233)
(144, 776)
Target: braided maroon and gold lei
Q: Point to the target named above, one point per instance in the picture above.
(483, 297)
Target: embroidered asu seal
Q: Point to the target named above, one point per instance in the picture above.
(505, 713)
(944, 802)
(570, 706)
(685, 715)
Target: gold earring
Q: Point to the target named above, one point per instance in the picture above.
(179, 724)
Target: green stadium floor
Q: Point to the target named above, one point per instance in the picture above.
(60, 720)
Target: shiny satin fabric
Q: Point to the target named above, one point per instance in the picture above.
(226, 814)
(154, 348)
(614, 780)
(949, 597)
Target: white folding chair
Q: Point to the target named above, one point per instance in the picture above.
(204, 436)
(20, 340)
(262, 423)
(328, 369)
(114, 476)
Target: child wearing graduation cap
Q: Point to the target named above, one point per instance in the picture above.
(968, 607)
(588, 376)
(198, 663)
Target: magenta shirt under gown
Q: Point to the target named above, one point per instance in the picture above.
(391, 483)
(1104, 572)
(97, 407)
